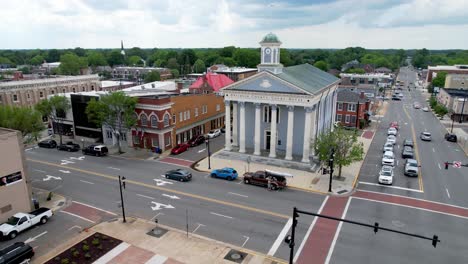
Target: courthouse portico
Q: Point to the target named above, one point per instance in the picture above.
(279, 111)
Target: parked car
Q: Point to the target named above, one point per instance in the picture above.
(48, 143)
(426, 136)
(411, 168)
(416, 105)
(407, 152)
(392, 131)
(196, 140)
(408, 142)
(388, 146)
(179, 148)
(178, 175)
(18, 252)
(225, 173)
(451, 137)
(22, 221)
(214, 133)
(386, 175)
(425, 109)
(223, 129)
(96, 150)
(69, 146)
(388, 158)
(396, 98)
(391, 139)
(394, 124)
(260, 178)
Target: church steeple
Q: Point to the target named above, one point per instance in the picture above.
(270, 54)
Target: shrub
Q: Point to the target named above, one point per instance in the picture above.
(72, 249)
(76, 254)
(85, 247)
(95, 242)
(104, 237)
(57, 259)
(85, 241)
(65, 261)
(49, 197)
(73, 262)
(96, 235)
(99, 247)
(87, 255)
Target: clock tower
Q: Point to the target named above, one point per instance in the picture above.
(270, 54)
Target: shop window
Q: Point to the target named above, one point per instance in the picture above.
(166, 120)
(154, 121)
(144, 120)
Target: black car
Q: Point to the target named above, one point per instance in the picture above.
(179, 175)
(196, 140)
(451, 137)
(96, 150)
(69, 146)
(408, 142)
(48, 143)
(407, 152)
(16, 253)
(396, 98)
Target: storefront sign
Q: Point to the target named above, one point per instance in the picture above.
(11, 178)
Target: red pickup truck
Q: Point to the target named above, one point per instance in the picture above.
(260, 178)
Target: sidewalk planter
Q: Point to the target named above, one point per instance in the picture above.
(86, 251)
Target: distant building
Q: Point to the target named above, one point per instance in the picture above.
(384, 70)
(351, 107)
(378, 79)
(456, 81)
(456, 101)
(233, 73)
(334, 72)
(350, 65)
(15, 184)
(433, 70)
(209, 83)
(30, 92)
(115, 85)
(138, 73)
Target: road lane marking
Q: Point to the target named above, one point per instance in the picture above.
(81, 217)
(40, 171)
(144, 196)
(433, 150)
(201, 150)
(154, 217)
(195, 230)
(221, 215)
(50, 177)
(438, 164)
(75, 226)
(94, 207)
(171, 196)
(280, 238)
(150, 186)
(247, 239)
(87, 182)
(397, 162)
(448, 194)
(389, 186)
(332, 247)
(64, 171)
(113, 168)
(32, 239)
(241, 195)
(298, 253)
(421, 185)
(159, 206)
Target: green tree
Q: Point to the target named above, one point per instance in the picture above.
(172, 64)
(199, 66)
(355, 70)
(55, 108)
(4, 60)
(227, 51)
(79, 52)
(321, 65)
(25, 70)
(187, 57)
(134, 60)
(247, 57)
(285, 58)
(345, 144)
(37, 60)
(115, 111)
(152, 76)
(96, 58)
(53, 55)
(115, 58)
(71, 64)
(175, 73)
(23, 119)
(439, 80)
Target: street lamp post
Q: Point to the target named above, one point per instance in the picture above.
(463, 109)
(122, 183)
(209, 153)
(330, 164)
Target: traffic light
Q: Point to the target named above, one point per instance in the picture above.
(435, 239)
(446, 165)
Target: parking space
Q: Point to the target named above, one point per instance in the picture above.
(201, 151)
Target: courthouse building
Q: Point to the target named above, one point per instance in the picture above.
(279, 111)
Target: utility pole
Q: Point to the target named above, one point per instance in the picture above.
(330, 164)
(209, 153)
(122, 183)
(463, 109)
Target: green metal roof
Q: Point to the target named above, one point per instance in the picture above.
(270, 38)
(307, 77)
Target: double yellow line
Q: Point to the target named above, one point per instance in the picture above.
(416, 153)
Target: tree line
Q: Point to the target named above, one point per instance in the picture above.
(196, 60)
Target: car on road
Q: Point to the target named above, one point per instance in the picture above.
(425, 109)
(178, 175)
(260, 178)
(392, 131)
(388, 146)
(19, 222)
(386, 175)
(18, 252)
(224, 173)
(416, 105)
(48, 143)
(179, 148)
(388, 158)
(214, 133)
(69, 146)
(411, 168)
(223, 129)
(391, 139)
(394, 124)
(96, 150)
(408, 142)
(396, 98)
(407, 152)
(196, 140)
(426, 136)
(451, 137)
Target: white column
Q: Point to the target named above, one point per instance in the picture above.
(273, 136)
(257, 130)
(242, 128)
(227, 122)
(313, 127)
(289, 141)
(307, 126)
(235, 139)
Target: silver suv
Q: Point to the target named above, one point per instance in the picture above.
(411, 168)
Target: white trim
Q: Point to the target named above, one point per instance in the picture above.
(347, 119)
(154, 107)
(388, 186)
(157, 259)
(280, 238)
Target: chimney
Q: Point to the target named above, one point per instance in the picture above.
(179, 87)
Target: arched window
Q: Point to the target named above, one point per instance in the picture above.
(144, 120)
(154, 121)
(166, 120)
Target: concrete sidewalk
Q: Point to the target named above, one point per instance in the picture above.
(141, 245)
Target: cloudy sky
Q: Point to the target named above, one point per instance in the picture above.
(432, 24)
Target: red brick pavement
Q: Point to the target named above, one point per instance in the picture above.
(134, 255)
(367, 134)
(88, 212)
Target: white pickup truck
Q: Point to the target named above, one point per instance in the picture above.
(22, 221)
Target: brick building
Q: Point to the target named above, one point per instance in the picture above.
(378, 79)
(351, 107)
(433, 70)
(136, 73)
